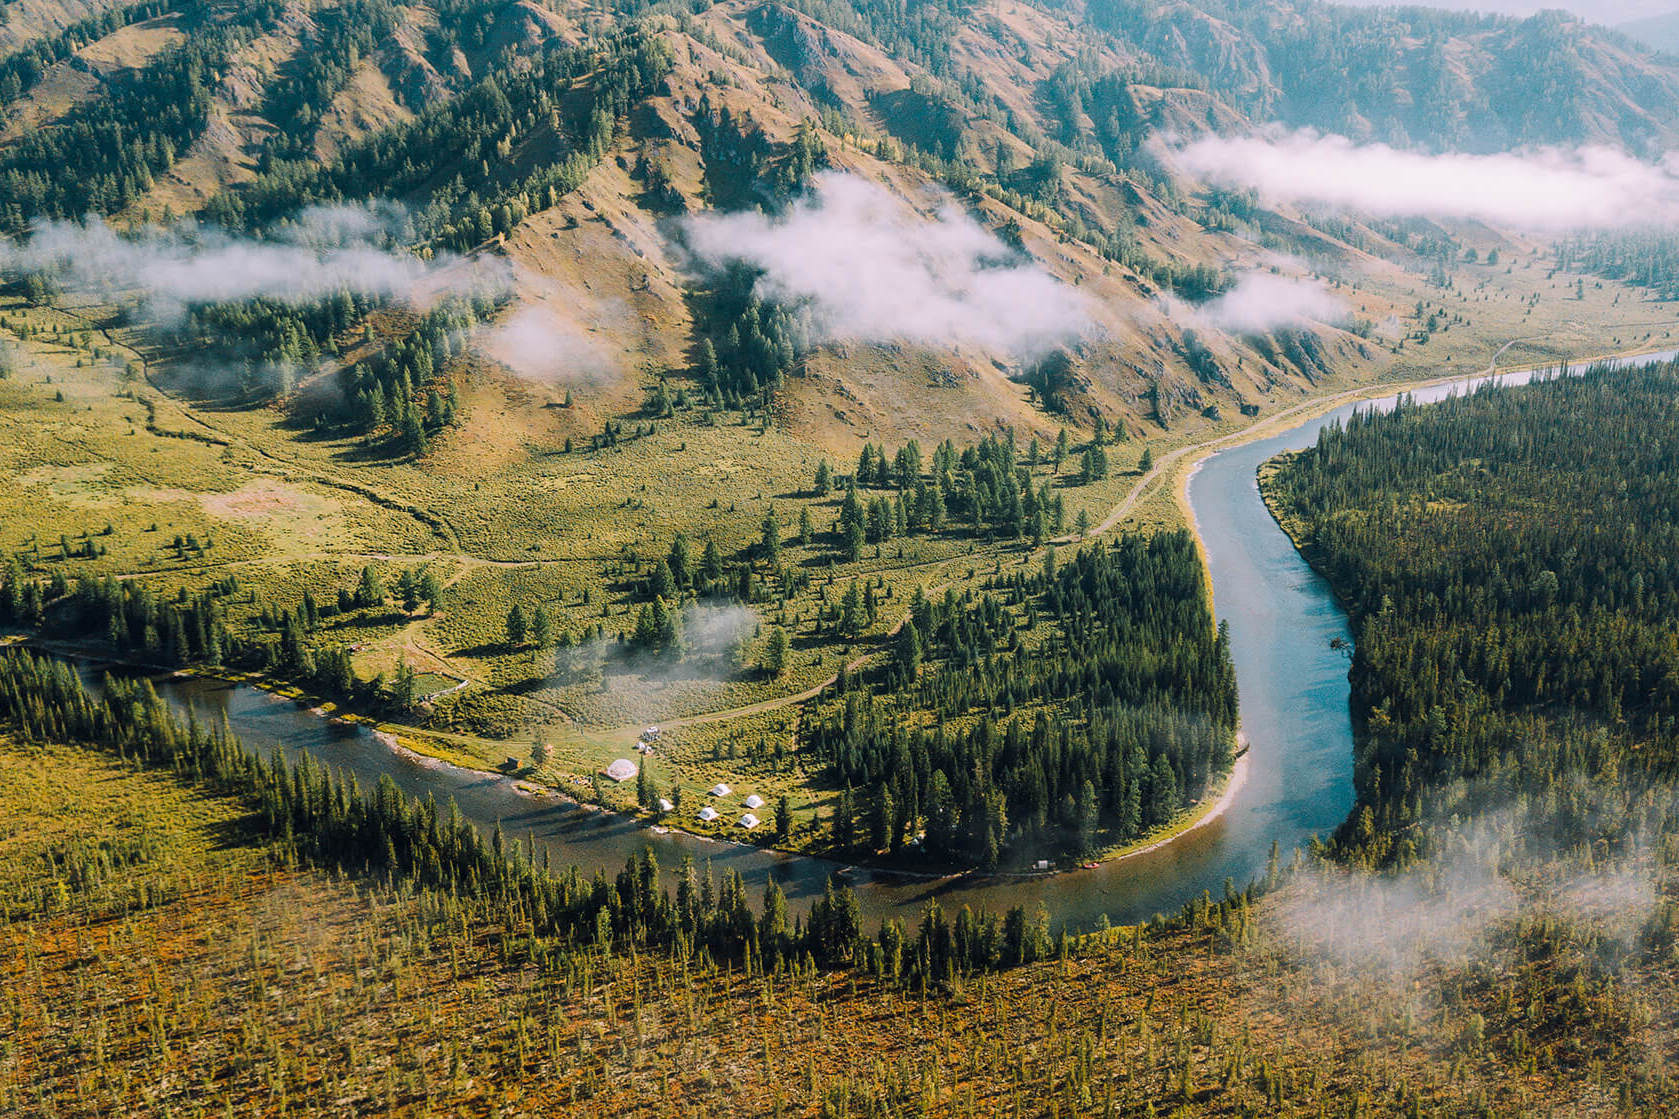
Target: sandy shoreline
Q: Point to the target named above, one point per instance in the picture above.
(1232, 787)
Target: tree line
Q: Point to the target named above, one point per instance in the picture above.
(1086, 703)
(574, 95)
(23, 70)
(105, 153)
(1508, 559)
(317, 815)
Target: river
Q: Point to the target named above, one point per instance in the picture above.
(1294, 702)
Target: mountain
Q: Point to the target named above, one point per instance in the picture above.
(1658, 32)
(1039, 117)
(816, 380)
(1414, 76)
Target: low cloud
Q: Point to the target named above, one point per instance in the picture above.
(865, 268)
(1395, 927)
(1455, 909)
(1548, 189)
(1261, 303)
(544, 343)
(717, 630)
(324, 250)
(713, 640)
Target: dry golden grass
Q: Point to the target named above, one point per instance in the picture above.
(200, 977)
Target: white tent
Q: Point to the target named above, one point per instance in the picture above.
(708, 813)
(720, 790)
(621, 770)
(749, 821)
(665, 805)
(754, 801)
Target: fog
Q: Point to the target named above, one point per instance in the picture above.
(325, 250)
(1261, 302)
(546, 343)
(867, 268)
(1597, 11)
(1544, 190)
(1456, 908)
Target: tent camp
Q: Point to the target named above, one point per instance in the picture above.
(621, 770)
(720, 790)
(665, 805)
(749, 821)
(754, 801)
(708, 814)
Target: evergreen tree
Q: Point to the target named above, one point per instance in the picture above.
(774, 659)
(769, 538)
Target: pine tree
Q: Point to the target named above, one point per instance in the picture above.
(372, 590)
(852, 525)
(769, 538)
(906, 651)
(431, 589)
(774, 658)
(881, 818)
(679, 562)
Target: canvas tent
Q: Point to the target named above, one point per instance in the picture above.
(749, 821)
(665, 805)
(708, 814)
(754, 801)
(621, 770)
(720, 790)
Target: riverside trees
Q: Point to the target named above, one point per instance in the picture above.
(1508, 561)
(1082, 704)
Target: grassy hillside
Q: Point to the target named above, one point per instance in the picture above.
(158, 957)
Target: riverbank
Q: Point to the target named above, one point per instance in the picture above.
(418, 748)
(1207, 812)
(1185, 464)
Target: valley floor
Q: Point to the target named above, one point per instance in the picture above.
(284, 515)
